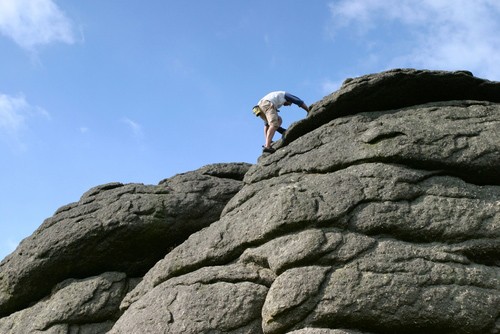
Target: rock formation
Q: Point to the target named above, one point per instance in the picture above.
(84, 259)
(378, 213)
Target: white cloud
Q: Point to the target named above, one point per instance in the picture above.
(267, 40)
(134, 126)
(31, 23)
(11, 113)
(15, 112)
(180, 67)
(444, 34)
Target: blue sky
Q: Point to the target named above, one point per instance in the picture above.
(98, 91)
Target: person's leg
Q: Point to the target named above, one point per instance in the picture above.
(273, 121)
(274, 125)
(280, 129)
(266, 125)
(269, 135)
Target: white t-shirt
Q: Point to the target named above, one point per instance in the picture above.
(276, 98)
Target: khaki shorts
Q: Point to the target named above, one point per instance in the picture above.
(271, 115)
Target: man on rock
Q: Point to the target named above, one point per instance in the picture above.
(267, 109)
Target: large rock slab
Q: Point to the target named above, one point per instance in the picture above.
(331, 268)
(324, 331)
(394, 89)
(116, 227)
(86, 306)
(226, 299)
(382, 222)
(459, 137)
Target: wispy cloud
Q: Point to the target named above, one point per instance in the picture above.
(135, 127)
(267, 40)
(31, 23)
(180, 67)
(445, 34)
(15, 114)
(12, 115)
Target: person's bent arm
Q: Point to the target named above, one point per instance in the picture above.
(295, 100)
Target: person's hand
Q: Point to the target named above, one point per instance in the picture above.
(305, 107)
(310, 108)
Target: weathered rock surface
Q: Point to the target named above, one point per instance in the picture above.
(366, 247)
(118, 227)
(75, 306)
(375, 222)
(395, 89)
(379, 213)
(323, 331)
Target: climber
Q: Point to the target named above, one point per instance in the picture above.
(267, 109)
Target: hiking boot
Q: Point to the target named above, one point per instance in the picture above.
(268, 150)
(281, 131)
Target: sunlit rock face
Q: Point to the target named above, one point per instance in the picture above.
(378, 213)
(79, 264)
